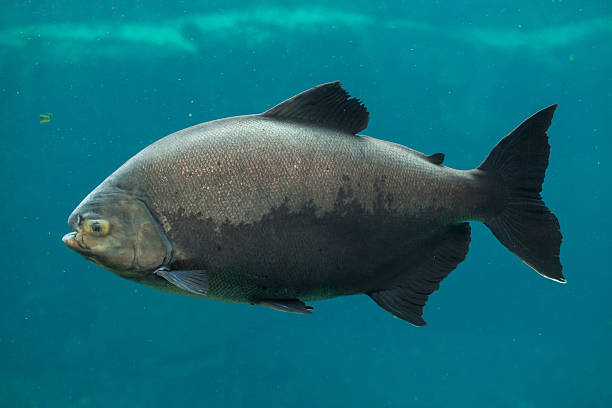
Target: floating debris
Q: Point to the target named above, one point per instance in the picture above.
(46, 118)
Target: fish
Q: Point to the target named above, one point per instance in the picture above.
(45, 118)
(295, 205)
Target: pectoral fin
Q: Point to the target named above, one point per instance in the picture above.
(286, 305)
(194, 281)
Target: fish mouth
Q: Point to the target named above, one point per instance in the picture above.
(72, 241)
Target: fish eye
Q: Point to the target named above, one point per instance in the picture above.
(98, 228)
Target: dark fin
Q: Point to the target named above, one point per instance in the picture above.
(526, 226)
(286, 305)
(194, 281)
(326, 105)
(437, 158)
(408, 298)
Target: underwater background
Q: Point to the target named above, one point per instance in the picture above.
(437, 76)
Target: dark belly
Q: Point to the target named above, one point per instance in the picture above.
(301, 254)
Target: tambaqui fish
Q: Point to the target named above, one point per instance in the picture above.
(293, 205)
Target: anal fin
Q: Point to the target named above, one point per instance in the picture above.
(407, 299)
(286, 305)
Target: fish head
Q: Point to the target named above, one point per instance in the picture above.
(117, 231)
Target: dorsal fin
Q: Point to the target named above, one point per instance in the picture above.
(326, 105)
(436, 158)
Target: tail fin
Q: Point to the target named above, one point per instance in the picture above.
(526, 226)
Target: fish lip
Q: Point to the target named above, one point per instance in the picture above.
(72, 241)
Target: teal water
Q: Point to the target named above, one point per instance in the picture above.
(435, 76)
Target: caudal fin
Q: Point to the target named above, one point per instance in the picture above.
(526, 226)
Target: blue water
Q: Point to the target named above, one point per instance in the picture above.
(435, 76)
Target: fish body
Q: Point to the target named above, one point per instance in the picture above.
(294, 205)
(272, 208)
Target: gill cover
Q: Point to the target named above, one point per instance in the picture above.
(117, 231)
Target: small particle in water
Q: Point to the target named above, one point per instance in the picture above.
(190, 114)
(572, 58)
(46, 118)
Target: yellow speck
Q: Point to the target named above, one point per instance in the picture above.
(46, 118)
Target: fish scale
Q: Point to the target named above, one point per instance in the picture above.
(226, 174)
